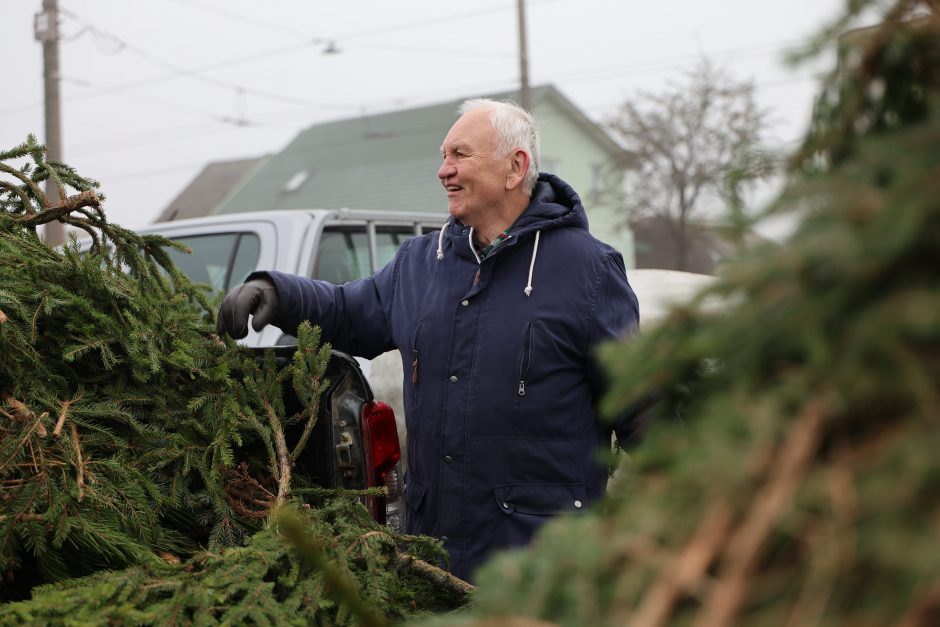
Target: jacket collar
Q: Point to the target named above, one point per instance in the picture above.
(554, 204)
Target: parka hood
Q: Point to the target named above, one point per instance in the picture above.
(554, 204)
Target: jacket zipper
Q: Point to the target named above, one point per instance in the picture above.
(526, 359)
(414, 351)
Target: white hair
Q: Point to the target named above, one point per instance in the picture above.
(515, 128)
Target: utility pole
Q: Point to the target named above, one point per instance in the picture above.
(46, 27)
(523, 60)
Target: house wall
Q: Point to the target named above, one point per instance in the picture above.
(572, 154)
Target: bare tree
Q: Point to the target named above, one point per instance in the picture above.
(691, 140)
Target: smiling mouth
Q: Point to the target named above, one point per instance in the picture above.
(452, 188)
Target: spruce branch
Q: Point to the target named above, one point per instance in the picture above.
(69, 204)
(63, 413)
(312, 414)
(23, 413)
(434, 575)
(319, 493)
(20, 410)
(793, 461)
(338, 583)
(24, 198)
(23, 517)
(28, 184)
(79, 464)
(437, 576)
(684, 574)
(52, 172)
(243, 493)
(283, 461)
(309, 363)
(924, 606)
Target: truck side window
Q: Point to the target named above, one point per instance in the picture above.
(246, 259)
(219, 260)
(387, 244)
(343, 253)
(338, 260)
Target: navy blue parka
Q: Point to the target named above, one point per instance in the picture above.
(500, 387)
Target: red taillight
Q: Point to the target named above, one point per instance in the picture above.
(381, 440)
(382, 450)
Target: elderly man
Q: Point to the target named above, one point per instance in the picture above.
(496, 318)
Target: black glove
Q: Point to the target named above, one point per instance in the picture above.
(257, 297)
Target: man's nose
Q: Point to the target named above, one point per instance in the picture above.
(446, 170)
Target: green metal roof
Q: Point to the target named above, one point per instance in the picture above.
(383, 161)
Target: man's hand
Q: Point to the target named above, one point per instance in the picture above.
(257, 297)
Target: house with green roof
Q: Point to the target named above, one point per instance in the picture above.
(389, 161)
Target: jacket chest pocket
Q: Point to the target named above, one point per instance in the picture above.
(530, 383)
(525, 361)
(415, 362)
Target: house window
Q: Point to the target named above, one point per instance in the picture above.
(597, 178)
(294, 182)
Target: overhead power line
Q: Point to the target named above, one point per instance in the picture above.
(176, 72)
(382, 30)
(395, 28)
(345, 37)
(637, 68)
(238, 17)
(199, 74)
(173, 75)
(603, 72)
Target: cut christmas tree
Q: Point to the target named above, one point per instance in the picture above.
(131, 436)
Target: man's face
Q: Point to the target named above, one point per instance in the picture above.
(472, 173)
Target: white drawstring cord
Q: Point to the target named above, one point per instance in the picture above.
(440, 241)
(472, 247)
(535, 251)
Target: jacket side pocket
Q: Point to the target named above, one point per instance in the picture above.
(526, 508)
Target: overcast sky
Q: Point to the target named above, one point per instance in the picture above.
(153, 91)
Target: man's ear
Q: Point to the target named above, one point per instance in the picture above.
(518, 166)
